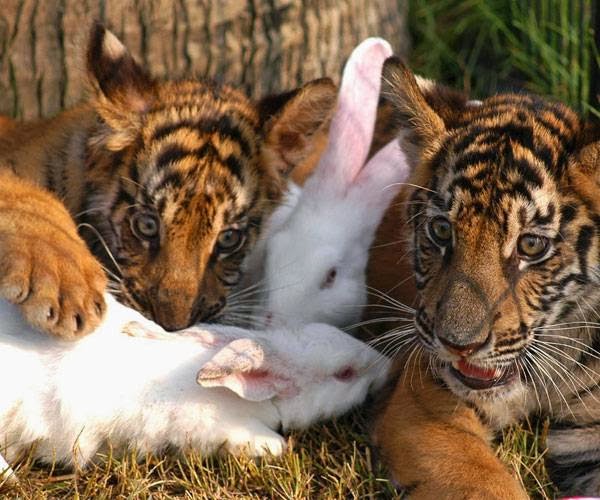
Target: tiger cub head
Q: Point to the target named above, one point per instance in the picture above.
(504, 221)
(181, 175)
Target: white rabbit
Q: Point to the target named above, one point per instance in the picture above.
(316, 246)
(131, 384)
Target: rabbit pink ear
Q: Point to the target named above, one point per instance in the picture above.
(245, 367)
(383, 175)
(352, 126)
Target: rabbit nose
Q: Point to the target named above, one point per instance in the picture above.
(268, 318)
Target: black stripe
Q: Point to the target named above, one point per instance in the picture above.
(474, 158)
(567, 214)
(173, 178)
(584, 240)
(50, 181)
(566, 142)
(171, 154)
(165, 130)
(566, 475)
(234, 165)
(223, 126)
(568, 307)
(540, 219)
(528, 172)
(175, 153)
(123, 196)
(465, 184)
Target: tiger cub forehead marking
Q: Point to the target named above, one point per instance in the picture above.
(199, 148)
(506, 158)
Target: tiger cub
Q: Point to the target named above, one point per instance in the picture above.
(504, 223)
(168, 181)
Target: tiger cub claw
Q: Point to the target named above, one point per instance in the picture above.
(45, 267)
(58, 286)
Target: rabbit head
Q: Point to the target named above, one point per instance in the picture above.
(316, 259)
(314, 371)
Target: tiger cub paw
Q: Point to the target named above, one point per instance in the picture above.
(56, 282)
(45, 267)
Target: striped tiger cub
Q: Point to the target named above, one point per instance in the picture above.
(168, 181)
(504, 222)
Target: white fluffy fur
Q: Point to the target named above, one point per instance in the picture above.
(139, 389)
(329, 225)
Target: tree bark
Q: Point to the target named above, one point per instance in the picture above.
(264, 46)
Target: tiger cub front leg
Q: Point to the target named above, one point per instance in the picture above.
(45, 267)
(437, 447)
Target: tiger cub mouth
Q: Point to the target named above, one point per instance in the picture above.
(479, 378)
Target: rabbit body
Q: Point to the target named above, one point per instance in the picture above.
(139, 389)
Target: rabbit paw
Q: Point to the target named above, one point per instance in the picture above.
(258, 445)
(268, 445)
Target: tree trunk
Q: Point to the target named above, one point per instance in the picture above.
(262, 45)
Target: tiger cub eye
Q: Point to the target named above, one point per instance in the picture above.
(532, 246)
(145, 225)
(440, 229)
(230, 240)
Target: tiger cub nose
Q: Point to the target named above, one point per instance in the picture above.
(462, 350)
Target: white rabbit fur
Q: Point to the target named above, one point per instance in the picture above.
(314, 254)
(139, 389)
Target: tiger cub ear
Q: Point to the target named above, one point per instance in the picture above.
(425, 109)
(588, 147)
(585, 167)
(124, 90)
(295, 124)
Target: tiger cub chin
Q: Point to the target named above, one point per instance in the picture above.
(168, 180)
(504, 223)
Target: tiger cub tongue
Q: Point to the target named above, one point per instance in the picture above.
(474, 371)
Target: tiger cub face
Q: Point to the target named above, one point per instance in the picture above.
(180, 176)
(504, 224)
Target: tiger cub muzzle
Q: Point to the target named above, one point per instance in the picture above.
(465, 337)
(476, 327)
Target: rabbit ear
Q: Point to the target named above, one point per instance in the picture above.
(351, 129)
(249, 369)
(382, 177)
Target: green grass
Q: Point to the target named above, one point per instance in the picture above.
(484, 46)
(329, 461)
(521, 448)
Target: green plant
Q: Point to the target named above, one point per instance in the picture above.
(487, 46)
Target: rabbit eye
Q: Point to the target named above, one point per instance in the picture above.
(345, 374)
(329, 279)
